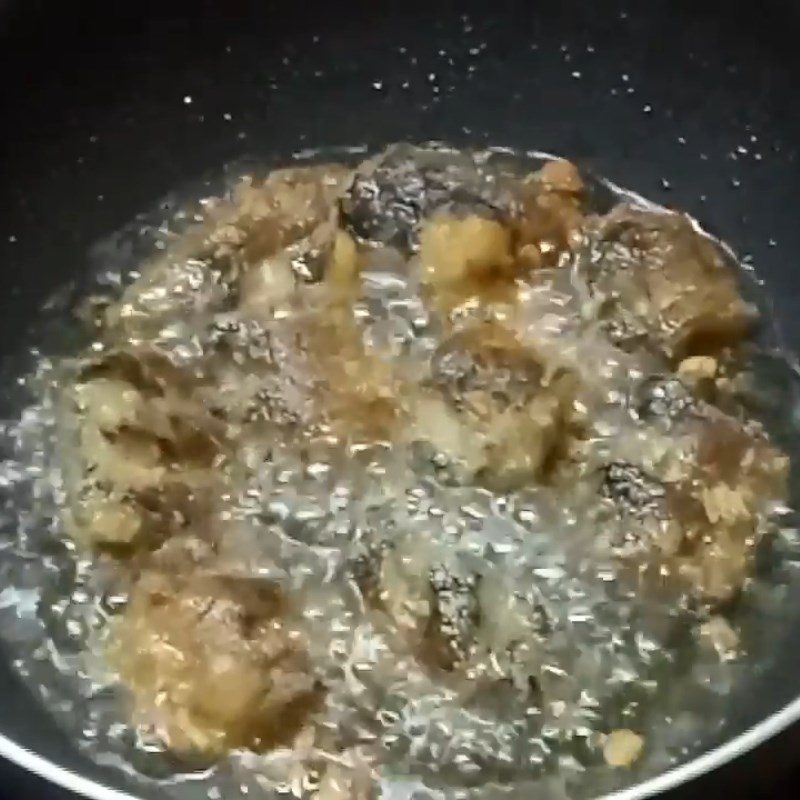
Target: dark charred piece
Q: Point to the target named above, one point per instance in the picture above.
(455, 613)
(634, 493)
(390, 196)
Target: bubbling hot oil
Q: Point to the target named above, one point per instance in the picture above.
(468, 629)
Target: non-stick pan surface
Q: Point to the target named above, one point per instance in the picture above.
(104, 107)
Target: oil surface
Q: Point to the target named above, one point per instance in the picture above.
(607, 657)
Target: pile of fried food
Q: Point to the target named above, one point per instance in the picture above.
(486, 327)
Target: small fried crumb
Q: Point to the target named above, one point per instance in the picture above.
(622, 747)
(697, 368)
(561, 175)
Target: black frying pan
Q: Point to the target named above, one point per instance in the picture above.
(107, 106)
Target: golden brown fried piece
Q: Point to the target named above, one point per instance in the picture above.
(501, 410)
(663, 283)
(465, 259)
(738, 471)
(211, 663)
(354, 392)
(286, 208)
(144, 452)
(701, 526)
(550, 218)
(292, 236)
(454, 250)
(477, 257)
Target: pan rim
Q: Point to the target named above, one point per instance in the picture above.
(705, 763)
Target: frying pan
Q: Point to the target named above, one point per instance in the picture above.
(106, 107)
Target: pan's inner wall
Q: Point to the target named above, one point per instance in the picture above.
(106, 109)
